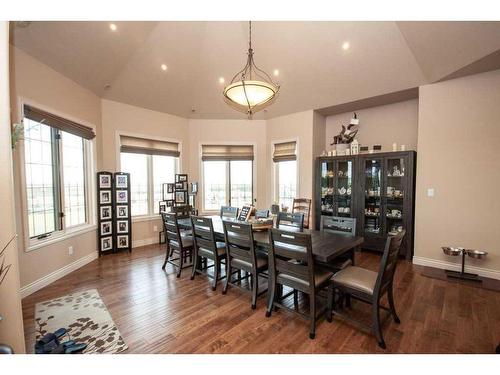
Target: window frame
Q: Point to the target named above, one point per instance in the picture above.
(89, 156)
(228, 172)
(275, 166)
(178, 167)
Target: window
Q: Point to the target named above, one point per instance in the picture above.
(151, 164)
(227, 176)
(285, 162)
(56, 154)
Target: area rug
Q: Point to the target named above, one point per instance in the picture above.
(85, 317)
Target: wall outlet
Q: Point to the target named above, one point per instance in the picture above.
(70, 250)
(155, 228)
(430, 192)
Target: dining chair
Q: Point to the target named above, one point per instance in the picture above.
(243, 256)
(290, 220)
(340, 225)
(227, 212)
(183, 212)
(369, 287)
(176, 242)
(205, 246)
(303, 205)
(291, 264)
(262, 214)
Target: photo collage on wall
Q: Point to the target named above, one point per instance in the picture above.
(114, 216)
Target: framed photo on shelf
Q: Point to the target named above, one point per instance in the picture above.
(170, 203)
(122, 226)
(162, 206)
(181, 177)
(121, 212)
(104, 181)
(121, 181)
(105, 212)
(121, 196)
(180, 197)
(106, 243)
(194, 187)
(104, 196)
(122, 241)
(106, 228)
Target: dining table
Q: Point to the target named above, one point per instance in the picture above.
(326, 246)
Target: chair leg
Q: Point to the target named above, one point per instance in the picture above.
(181, 262)
(348, 300)
(390, 298)
(216, 273)
(271, 292)
(312, 311)
(255, 289)
(377, 329)
(295, 299)
(279, 294)
(228, 275)
(166, 259)
(195, 266)
(329, 305)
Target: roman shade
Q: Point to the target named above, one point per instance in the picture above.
(226, 152)
(285, 151)
(137, 145)
(68, 126)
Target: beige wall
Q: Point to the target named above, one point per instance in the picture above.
(382, 125)
(459, 157)
(11, 323)
(35, 82)
(127, 119)
(226, 132)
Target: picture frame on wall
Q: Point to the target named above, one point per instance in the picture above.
(104, 181)
(162, 207)
(107, 243)
(121, 196)
(191, 198)
(105, 196)
(182, 177)
(194, 187)
(170, 188)
(106, 228)
(121, 181)
(181, 186)
(164, 191)
(122, 226)
(122, 241)
(105, 212)
(180, 197)
(121, 212)
(170, 203)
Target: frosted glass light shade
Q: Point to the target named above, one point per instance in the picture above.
(250, 93)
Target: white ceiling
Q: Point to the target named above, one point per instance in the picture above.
(315, 71)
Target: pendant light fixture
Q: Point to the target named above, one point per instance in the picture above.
(251, 89)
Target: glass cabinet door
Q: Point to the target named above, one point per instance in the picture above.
(373, 186)
(343, 193)
(327, 187)
(395, 194)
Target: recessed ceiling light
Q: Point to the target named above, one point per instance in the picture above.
(276, 72)
(112, 26)
(222, 80)
(163, 67)
(345, 46)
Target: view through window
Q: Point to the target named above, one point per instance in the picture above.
(286, 182)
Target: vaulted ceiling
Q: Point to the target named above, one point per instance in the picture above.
(314, 70)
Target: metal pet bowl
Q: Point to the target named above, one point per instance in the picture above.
(477, 254)
(453, 251)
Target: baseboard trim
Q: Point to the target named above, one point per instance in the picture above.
(57, 274)
(144, 242)
(428, 262)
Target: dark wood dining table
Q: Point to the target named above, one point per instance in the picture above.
(326, 246)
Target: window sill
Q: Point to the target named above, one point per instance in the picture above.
(38, 244)
(139, 219)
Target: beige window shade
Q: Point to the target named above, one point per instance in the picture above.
(148, 146)
(57, 122)
(226, 152)
(285, 151)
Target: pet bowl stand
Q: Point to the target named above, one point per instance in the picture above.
(462, 274)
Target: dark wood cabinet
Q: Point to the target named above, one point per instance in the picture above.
(377, 189)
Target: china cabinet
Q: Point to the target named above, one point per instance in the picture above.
(377, 189)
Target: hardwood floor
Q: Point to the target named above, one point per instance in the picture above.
(158, 313)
